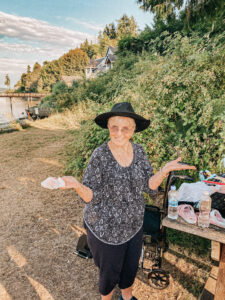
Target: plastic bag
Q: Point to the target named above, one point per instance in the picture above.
(53, 183)
(191, 192)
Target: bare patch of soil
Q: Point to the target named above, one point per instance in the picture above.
(39, 230)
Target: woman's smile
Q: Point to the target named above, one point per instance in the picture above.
(121, 129)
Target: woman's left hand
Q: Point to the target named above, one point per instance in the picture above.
(175, 166)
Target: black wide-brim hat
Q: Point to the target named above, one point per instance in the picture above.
(123, 109)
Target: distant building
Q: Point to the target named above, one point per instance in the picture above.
(102, 64)
(69, 79)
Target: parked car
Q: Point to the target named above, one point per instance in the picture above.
(36, 112)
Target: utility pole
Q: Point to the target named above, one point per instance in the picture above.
(10, 100)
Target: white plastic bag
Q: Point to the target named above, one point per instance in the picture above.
(53, 183)
(191, 192)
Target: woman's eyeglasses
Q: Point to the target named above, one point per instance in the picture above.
(124, 130)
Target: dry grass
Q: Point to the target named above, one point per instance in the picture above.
(69, 119)
(40, 228)
(15, 125)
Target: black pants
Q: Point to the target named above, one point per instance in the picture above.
(118, 264)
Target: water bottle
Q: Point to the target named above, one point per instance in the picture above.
(173, 203)
(204, 210)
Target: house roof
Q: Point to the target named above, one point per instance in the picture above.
(112, 57)
(95, 62)
(113, 49)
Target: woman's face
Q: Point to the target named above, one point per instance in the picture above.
(121, 129)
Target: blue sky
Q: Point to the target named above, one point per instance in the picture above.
(38, 30)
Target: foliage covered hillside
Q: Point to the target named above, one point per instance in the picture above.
(178, 84)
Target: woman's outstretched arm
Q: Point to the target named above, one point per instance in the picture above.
(157, 179)
(83, 191)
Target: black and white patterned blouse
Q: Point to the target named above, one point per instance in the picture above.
(115, 213)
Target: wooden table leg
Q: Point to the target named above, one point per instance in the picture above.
(210, 286)
(220, 284)
(215, 250)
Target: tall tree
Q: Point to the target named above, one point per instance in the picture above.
(40, 85)
(106, 30)
(34, 76)
(85, 46)
(23, 81)
(110, 31)
(73, 62)
(162, 8)
(90, 49)
(51, 73)
(103, 44)
(211, 10)
(28, 69)
(37, 68)
(28, 81)
(193, 9)
(126, 26)
(7, 81)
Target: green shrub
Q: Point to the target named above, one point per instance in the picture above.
(59, 87)
(182, 92)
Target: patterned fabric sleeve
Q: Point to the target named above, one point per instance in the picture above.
(148, 173)
(93, 177)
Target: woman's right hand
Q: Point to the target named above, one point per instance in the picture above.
(83, 191)
(70, 182)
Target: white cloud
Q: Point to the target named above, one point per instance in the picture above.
(11, 65)
(86, 24)
(18, 49)
(30, 29)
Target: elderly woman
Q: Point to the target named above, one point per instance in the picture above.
(116, 177)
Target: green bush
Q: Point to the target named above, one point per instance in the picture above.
(59, 88)
(182, 92)
(64, 97)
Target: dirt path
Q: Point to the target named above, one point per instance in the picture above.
(39, 230)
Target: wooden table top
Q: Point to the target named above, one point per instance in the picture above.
(213, 233)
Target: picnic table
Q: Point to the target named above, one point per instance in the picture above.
(215, 285)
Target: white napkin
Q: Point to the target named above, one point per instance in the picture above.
(53, 183)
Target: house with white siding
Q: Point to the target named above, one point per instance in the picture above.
(102, 64)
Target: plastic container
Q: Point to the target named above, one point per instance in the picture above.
(53, 183)
(204, 210)
(173, 203)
